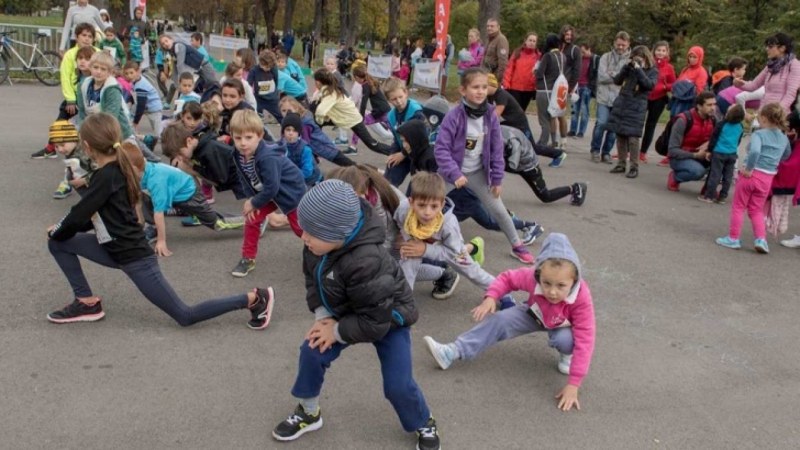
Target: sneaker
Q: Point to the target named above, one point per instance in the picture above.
(428, 436)
(564, 361)
(444, 354)
(619, 168)
(229, 224)
(529, 234)
(557, 162)
(596, 157)
(643, 158)
(703, 199)
(761, 246)
(521, 253)
(341, 141)
(606, 159)
(261, 310)
(479, 256)
(244, 267)
(45, 153)
(190, 221)
(571, 134)
(297, 425)
(578, 194)
(579, 135)
(77, 312)
(62, 191)
(632, 173)
(792, 243)
(350, 151)
(664, 162)
(720, 201)
(726, 241)
(672, 185)
(443, 287)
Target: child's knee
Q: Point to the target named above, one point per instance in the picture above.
(561, 340)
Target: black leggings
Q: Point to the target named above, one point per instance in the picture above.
(361, 131)
(536, 181)
(541, 149)
(654, 110)
(522, 97)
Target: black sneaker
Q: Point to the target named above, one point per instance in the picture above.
(578, 194)
(244, 267)
(77, 312)
(350, 151)
(443, 287)
(44, 153)
(298, 424)
(428, 436)
(261, 310)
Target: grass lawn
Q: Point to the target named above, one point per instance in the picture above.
(50, 21)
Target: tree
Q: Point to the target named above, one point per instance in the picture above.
(268, 9)
(319, 13)
(349, 11)
(288, 14)
(394, 19)
(489, 9)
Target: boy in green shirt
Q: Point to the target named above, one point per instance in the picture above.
(112, 42)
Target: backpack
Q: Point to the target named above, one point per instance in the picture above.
(559, 95)
(683, 96)
(662, 143)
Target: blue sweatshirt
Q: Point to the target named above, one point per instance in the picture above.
(167, 185)
(147, 99)
(727, 138)
(294, 70)
(768, 147)
(302, 156)
(290, 86)
(276, 179)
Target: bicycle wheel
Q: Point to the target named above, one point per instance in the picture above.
(3, 68)
(46, 67)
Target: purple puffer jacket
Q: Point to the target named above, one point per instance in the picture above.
(452, 141)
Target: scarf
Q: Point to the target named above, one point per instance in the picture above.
(419, 231)
(776, 65)
(475, 111)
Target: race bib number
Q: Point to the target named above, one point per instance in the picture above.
(266, 87)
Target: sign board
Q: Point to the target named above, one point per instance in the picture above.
(225, 42)
(380, 66)
(427, 74)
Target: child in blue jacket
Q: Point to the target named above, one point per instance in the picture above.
(298, 151)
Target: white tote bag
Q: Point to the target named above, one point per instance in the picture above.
(559, 96)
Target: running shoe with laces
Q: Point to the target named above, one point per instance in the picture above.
(521, 253)
(428, 436)
(229, 223)
(63, 191)
(77, 311)
(350, 151)
(672, 185)
(530, 233)
(761, 246)
(261, 309)
(564, 363)
(190, 221)
(45, 153)
(297, 424)
(245, 266)
(443, 287)
(578, 194)
(444, 354)
(791, 243)
(479, 257)
(727, 241)
(664, 162)
(557, 162)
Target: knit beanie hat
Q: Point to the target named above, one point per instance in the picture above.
(493, 81)
(329, 211)
(292, 120)
(62, 131)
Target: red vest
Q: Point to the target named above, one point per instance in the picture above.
(699, 134)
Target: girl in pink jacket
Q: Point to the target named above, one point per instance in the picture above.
(559, 302)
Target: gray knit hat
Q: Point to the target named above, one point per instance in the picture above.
(329, 211)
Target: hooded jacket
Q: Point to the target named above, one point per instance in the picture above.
(360, 284)
(696, 73)
(518, 150)
(519, 74)
(302, 156)
(630, 107)
(415, 132)
(576, 311)
(281, 181)
(111, 102)
(611, 63)
(475, 51)
(666, 76)
(320, 143)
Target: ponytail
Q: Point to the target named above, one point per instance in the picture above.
(127, 167)
(361, 72)
(328, 80)
(102, 134)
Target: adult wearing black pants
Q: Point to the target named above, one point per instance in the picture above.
(518, 78)
(511, 114)
(659, 96)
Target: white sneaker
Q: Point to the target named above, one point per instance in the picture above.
(444, 354)
(564, 361)
(792, 243)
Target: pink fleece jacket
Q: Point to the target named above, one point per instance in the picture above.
(575, 311)
(779, 88)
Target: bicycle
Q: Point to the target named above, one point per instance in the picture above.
(45, 65)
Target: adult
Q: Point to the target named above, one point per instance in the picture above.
(80, 12)
(274, 41)
(408, 49)
(496, 57)
(550, 66)
(449, 53)
(429, 49)
(694, 70)
(572, 70)
(472, 56)
(187, 59)
(107, 23)
(659, 96)
(587, 85)
(140, 23)
(637, 79)
(228, 30)
(251, 37)
(688, 148)
(781, 76)
(519, 80)
(611, 63)
(288, 43)
(389, 48)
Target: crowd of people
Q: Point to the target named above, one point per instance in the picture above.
(366, 243)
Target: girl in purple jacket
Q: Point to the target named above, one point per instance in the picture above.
(469, 153)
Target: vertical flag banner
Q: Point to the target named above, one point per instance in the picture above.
(441, 22)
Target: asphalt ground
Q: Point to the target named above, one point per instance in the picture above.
(696, 344)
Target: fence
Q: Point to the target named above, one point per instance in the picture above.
(27, 33)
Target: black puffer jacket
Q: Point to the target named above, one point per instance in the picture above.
(630, 107)
(361, 285)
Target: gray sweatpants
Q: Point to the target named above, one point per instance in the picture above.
(508, 324)
(415, 270)
(477, 184)
(545, 119)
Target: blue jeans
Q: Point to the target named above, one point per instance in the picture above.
(399, 387)
(145, 274)
(603, 112)
(580, 111)
(687, 169)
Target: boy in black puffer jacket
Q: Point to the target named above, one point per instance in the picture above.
(358, 294)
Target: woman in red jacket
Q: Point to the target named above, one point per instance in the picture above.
(659, 96)
(519, 79)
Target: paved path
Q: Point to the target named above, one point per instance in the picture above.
(697, 345)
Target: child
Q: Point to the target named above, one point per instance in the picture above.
(64, 137)
(264, 81)
(247, 59)
(559, 302)
(290, 67)
(235, 70)
(298, 151)
(469, 152)
(269, 180)
(148, 102)
(357, 294)
(188, 59)
(786, 187)
(186, 93)
(196, 40)
(724, 145)
(768, 147)
(135, 45)
(405, 71)
(113, 45)
(232, 101)
(212, 120)
(118, 242)
(332, 66)
(723, 79)
(321, 144)
(333, 106)
(192, 116)
(403, 110)
(101, 93)
(371, 93)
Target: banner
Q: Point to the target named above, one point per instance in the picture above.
(441, 23)
(380, 66)
(426, 74)
(139, 3)
(226, 42)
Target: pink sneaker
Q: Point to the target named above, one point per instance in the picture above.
(521, 253)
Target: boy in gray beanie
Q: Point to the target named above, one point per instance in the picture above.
(357, 293)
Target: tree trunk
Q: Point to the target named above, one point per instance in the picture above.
(288, 15)
(394, 20)
(269, 8)
(355, 13)
(487, 9)
(344, 19)
(319, 11)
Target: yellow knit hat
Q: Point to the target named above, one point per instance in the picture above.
(62, 131)
(493, 81)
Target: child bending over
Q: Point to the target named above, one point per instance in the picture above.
(298, 151)
(64, 136)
